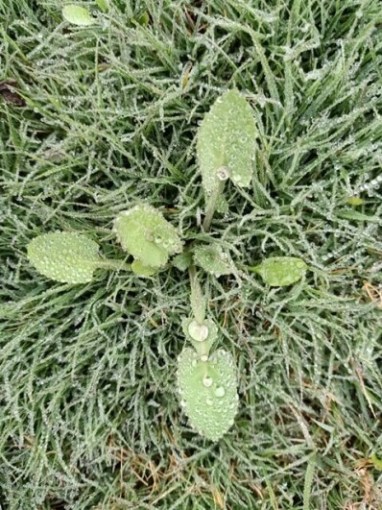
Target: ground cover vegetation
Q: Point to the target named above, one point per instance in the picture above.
(96, 119)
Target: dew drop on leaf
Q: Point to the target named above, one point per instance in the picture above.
(220, 392)
(226, 139)
(281, 271)
(66, 257)
(212, 407)
(77, 15)
(207, 381)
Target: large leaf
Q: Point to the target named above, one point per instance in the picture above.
(147, 236)
(208, 391)
(66, 257)
(226, 142)
(280, 271)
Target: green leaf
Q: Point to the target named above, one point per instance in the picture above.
(226, 142)
(355, 201)
(66, 257)
(212, 259)
(147, 236)
(182, 261)
(77, 15)
(141, 270)
(281, 271)
(201, 335)
(103, 5)
(377, 463)
(208, 391)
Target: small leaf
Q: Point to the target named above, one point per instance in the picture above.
(66, 257)
(212, 259)
(355, 201)
(281, 271)
(208, 391)
(141, 270)
(182, 261)
(103, 5)
(77, 15)
(377, 463)
(147, 236)
(226, 140)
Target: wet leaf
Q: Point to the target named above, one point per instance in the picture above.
(194, 332)
(77, 15)
(281, 271)
(226, 140)
(141, 270)
(182, 261)
(208, 391)
(212, 259)
(66, 257)
(147, 236)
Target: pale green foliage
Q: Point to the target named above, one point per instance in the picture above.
(147, 236)
(182, 261)
(77, 15)
(226, 142)
(190, 332)
(66, 257)
(280, 271)
(141, 270)
(212, 259)
(103, 5)
(208, 391)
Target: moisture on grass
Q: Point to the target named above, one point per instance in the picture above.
(98, 118)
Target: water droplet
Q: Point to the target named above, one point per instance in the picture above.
(207, 381)
(198, 332)
(220, 392)
(223, 173)
(209, 402)
(204, 357)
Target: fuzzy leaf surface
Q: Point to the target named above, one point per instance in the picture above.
(147, 235)
(226, 139)
(208, 391)
(66, 257)
(281, 271)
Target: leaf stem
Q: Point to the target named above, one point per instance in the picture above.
(212, 204)
(198, 301)
(114, 264)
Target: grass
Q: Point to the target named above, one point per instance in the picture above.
(101, 117)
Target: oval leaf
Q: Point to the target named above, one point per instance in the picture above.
(147, 236)
(212, 259)
(226, 140)
(208, 391)
(281, 271)
(66, 257)
(77, 15)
